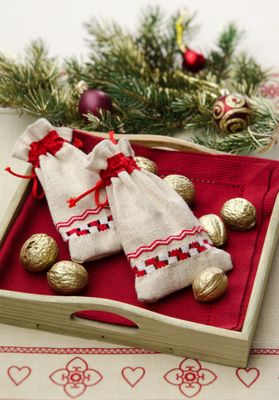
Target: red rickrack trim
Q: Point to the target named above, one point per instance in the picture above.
(80, 217)
(159, 242)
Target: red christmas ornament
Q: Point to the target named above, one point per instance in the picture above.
(193, 61)
(93, 100)
(232, 113)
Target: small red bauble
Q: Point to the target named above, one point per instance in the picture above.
(193, 61)
(92, 101)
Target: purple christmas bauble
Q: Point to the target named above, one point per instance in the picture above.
(92, 101)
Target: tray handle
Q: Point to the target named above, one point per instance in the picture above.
(132, 313)
(103, 328)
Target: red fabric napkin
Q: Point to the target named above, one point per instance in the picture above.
(217, 178)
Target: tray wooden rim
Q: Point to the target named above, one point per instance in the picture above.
(64, 307)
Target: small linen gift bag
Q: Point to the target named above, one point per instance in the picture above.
(58, 165)
(163, 241)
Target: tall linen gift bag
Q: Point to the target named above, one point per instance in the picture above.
(58, 165)
(162, 239)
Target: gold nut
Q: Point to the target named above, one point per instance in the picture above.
(215, 228)
(146, 164)
(38, 253)
(183, 186)
(239, 214)
(67, 277)
(209, 285)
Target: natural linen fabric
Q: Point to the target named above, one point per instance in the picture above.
(153, 222)
(63, 176)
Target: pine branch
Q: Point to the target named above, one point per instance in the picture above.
(220, 60)
(104, 36)
(75, 70)
(156, 38)
(35, 84)
(247, 74)
(142, 73)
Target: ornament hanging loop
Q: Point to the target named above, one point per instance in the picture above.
(179, 26)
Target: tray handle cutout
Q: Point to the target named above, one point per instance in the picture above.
(104, 317)
(107, 321)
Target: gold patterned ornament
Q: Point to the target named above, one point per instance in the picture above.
(232, 113)
(215, 228)
(38, 253)
(146, 164)
(239, 214)
(67, 277)
(209, 285)
(183, 186)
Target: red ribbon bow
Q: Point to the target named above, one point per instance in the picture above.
(51, 143)
(116, 164)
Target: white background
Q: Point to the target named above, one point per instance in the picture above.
(59, 22)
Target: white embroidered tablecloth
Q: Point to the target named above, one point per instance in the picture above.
(41, 365)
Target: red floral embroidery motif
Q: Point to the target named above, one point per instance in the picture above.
(76, 377)
(190, 377)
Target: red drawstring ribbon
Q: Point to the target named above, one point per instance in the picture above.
(77, 143)
(33, 176)
(99, 185)
(116, 164)
(51, 143)
(35, 186)
(111, 137)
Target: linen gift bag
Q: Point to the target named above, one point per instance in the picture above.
(58, 165)
(162, 239)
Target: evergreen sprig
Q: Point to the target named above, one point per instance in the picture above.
(142, 73)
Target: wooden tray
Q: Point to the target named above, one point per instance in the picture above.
(155, 331)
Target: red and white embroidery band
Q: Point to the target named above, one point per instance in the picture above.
(93, 227)
(171, 257)
(168, 240)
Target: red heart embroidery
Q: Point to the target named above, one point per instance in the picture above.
(133, 375)
(18, 374)
(247, 376)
